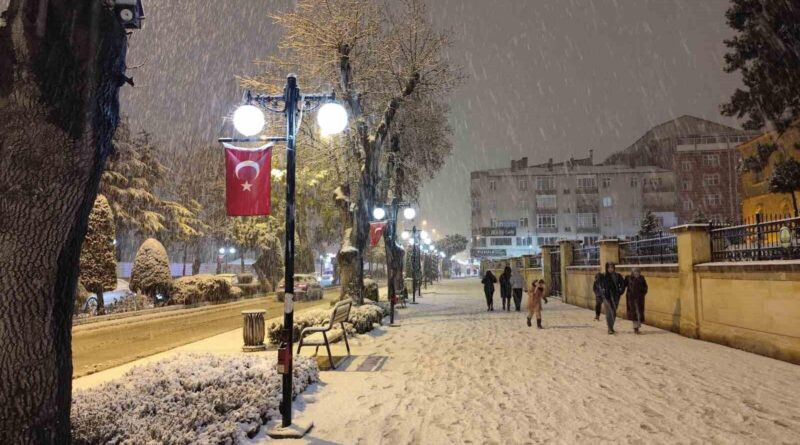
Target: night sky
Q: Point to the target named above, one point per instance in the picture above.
(545, 78)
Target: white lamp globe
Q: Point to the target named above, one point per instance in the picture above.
(409, 213)
(405, 235)
(441, 254)
(424, 235)
(378, 213)
(232, 250)
(332, 118)
(222, 250)
(248, 120)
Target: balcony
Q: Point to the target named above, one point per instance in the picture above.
(547, 210)
(547, 230)
(588, 230)
(586, 190)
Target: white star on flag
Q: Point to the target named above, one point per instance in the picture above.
(247, 186)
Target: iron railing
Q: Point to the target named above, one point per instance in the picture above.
(659, 250)
(757, 239)
(586, 256)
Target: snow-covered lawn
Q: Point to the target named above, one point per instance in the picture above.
(458, 374)
(186, 399)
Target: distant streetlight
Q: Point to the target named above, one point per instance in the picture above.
(378, 213)
(222, 251)
(405, 235)
(232, 250)
(409, 213)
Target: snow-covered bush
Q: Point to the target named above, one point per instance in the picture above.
(150, 274)
(370, 289)
(186, 399)
(244, 278)
(236, 293)
(200, 288)
(361, 320)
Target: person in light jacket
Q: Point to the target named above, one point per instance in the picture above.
(535, 297)
(634, 299)
(488, 289)
(517, 286)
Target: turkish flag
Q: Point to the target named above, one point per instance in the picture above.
(247, 180)
(376, 232)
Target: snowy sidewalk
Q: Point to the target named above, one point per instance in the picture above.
(454, 373)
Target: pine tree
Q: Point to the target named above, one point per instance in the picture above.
(766, 52)
(649, 226)
(98, 257)
(150, 274)
(786, 179)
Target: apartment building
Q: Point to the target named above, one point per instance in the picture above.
(516, 210)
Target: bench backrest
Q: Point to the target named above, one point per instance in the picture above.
(340, 312)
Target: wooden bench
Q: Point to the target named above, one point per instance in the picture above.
(339, 314)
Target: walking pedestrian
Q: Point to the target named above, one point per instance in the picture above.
(517, 285)
(613, 286)
(535, 297)
(597, 287)
(488, 288)
(505, 288)
(634, 299)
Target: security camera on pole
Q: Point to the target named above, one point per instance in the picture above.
(249, 120)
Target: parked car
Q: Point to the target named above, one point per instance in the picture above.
(326, 280)
(306, 288)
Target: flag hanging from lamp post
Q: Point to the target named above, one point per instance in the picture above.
(376, 232)
(247, 180)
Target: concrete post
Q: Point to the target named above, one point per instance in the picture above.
(609, 252)
(566, 247)
(547, 266)
(694, 247)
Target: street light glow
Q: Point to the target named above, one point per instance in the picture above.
(232, 250)
(409, 213)
(222, 251)
(332, 118)
(378, 213)
(424, 235)
(405, 235)
(248, 120)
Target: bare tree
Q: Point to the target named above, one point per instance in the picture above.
(376, 57)
(61, 65)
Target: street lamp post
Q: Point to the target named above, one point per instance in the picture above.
(249, 121)
(379, 213)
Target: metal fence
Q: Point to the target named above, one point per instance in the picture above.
(586, 256)
(659, 250)
(758, 239)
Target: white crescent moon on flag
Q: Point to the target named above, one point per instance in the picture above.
(244, 164)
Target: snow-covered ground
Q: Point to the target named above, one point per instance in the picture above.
(454, 373)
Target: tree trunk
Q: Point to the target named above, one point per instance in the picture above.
(185, 257)
(101, 306)
(794, 203)
(59, 83)
(241, 254)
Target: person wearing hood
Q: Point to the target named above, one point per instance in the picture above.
(597, 288)
(488, 288)
(517, 286)
(634, 299)
(505, 288)
(613, 286)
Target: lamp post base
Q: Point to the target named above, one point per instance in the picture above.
(294, 431)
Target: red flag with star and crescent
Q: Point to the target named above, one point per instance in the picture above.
(247, 180)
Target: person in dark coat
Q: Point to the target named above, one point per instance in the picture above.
(488, 288)
(613, 286)
(634, 299)
(597, 288)
(505, 288)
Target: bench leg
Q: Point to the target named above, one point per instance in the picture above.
(316, 351)
(328, 347)
(299, 345)
(344, 334)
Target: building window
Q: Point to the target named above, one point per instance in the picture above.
(546, 202)
(714, 200)
(711, 180)
(480, 242)
(545, 183)
(587, 182)
(688, 205)
(546, 221)
(686, 165)
(711, 160)
(634, 182)
(522, 185)
(493, 185)
(524, 241)
(476, 204)
(504, 241)
(587, 220)
(523, 222)
(492, 222)
(607, 201)
(686, 185)
(606, 221)
(605, 182)
(507, 223)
